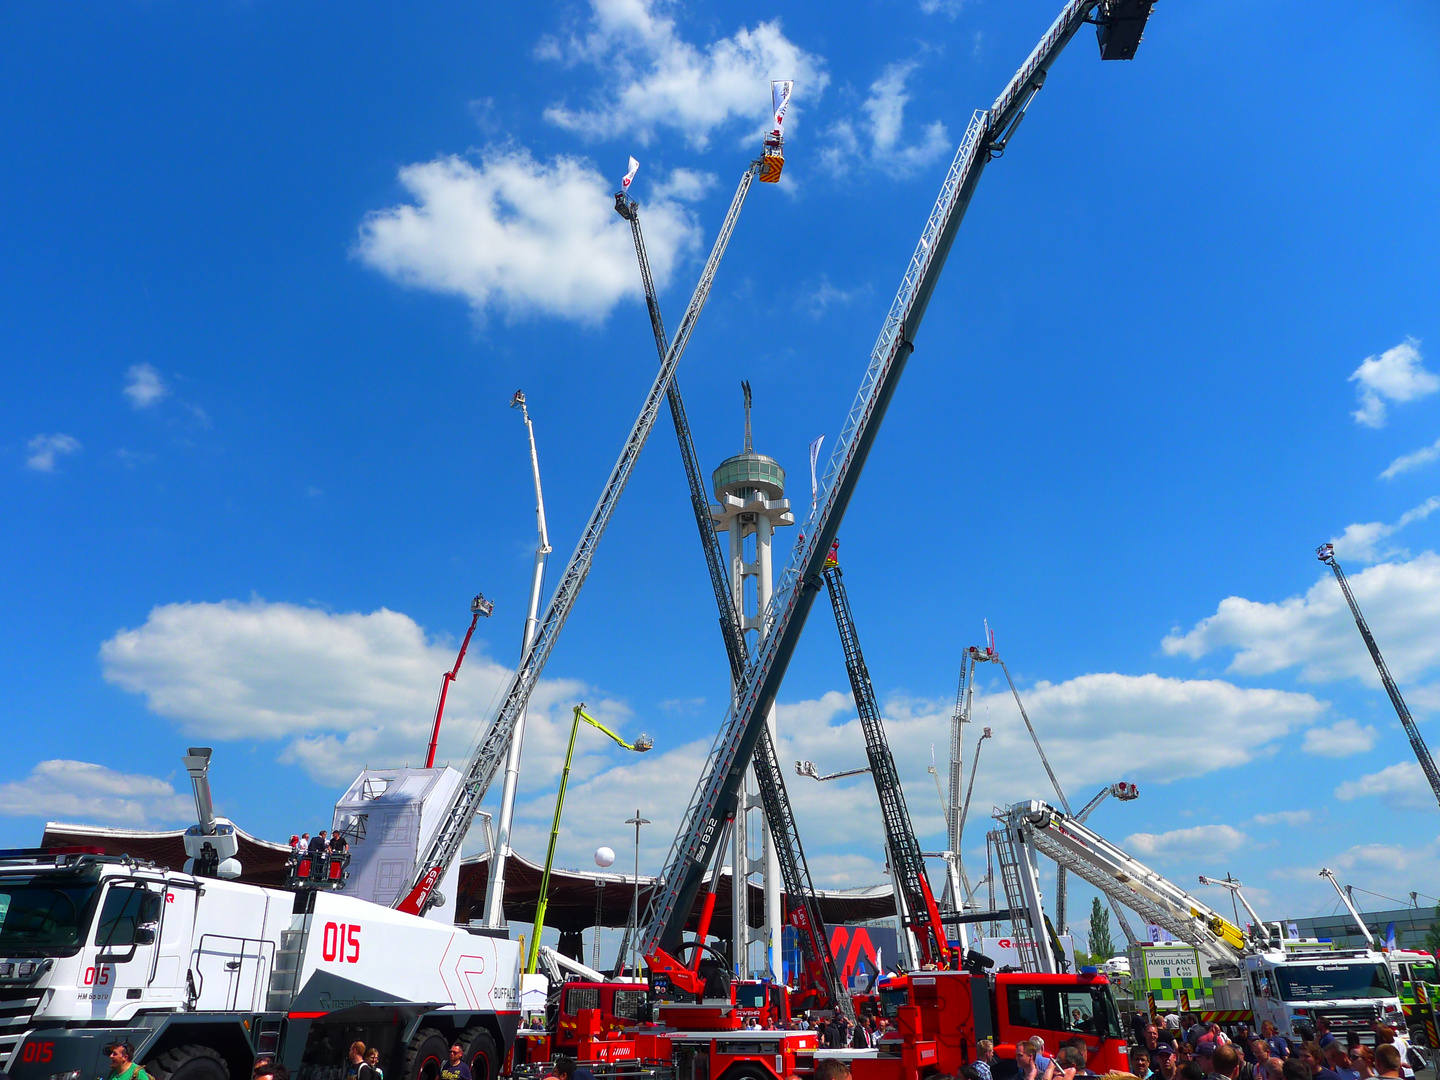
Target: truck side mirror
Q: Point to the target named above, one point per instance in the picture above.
(145, 935)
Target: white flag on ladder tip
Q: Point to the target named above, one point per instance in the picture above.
(814, 483)
(780, 99)
(634, 168)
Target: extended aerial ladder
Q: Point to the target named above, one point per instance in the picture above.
(775, 800)
(493, 747)
(907, 862)
(1121, 23)
(1326, 554)
(1035, 827)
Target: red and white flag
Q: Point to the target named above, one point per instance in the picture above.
(814, 481)
(634, 168)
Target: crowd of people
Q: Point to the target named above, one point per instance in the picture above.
(1185, 1048)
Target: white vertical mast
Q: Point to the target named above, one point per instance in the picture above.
(495, 885)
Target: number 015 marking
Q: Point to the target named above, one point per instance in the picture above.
(341, 943)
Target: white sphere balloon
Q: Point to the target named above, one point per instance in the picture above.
(604, 856)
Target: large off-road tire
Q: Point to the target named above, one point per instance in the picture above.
(188, 1063)
(425, 1055)
(481, 1053)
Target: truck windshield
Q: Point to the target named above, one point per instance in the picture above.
(1318, 982)
(1423, 972)
(45, 914)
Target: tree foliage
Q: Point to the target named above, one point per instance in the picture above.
(1101, 946)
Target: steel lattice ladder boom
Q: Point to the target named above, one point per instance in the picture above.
(1017, 901)
(774, 799)
(1120, 876)
(906, 861)
(1326, 554)
(489, 755)
(702, 825)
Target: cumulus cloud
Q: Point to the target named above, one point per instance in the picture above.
(80, 790)
(653, 78)
(144, 386)
(874, 136)
(1402, 786)
(1199, 840)
(521, 237)
(1361, 542)
(42, 450)
(340, 690)
(1398, 374)
(1412, 460)
(1283, 817)
(1316, 632)
(1339, 740)
(1419, 862)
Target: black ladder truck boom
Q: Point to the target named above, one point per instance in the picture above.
(907, 862)
(775, 800)
(490, 754)
(703, 824)
(1326, 554)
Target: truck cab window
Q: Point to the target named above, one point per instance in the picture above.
(126, 908)
(1027, 1007)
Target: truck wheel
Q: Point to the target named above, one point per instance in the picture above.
(480, 1053)
(427, 1052)
(748, 1070)
(189, 1063)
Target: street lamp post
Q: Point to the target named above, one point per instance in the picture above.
(637, 821)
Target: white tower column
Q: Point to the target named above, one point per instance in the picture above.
(750, 488)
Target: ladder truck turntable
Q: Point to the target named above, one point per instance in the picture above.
(1256, 975)
(202, 973)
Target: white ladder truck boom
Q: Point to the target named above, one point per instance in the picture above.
(494, 746)
(1034, 826)
(1365, 934)
(907, 863)
(784, 619)
(1326, 554)
(775, 800)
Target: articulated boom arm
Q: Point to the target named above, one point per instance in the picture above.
(1125, 879)
(493, 747)
(734, 746)
(1326, 554)
(800, 890)
(907, 862)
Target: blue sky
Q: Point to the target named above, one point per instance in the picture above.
(272, 274)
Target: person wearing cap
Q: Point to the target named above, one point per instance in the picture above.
(1163, 1058)
(1205, 1055)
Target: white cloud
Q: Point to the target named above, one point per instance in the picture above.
(342, 690)
(826, 294)
(1419, 862)
(1316, 632)
(687, 185)
(521, 237)
(1398, 374)
(1199, 840)
(948, 8)
(1412, 460)
(874, 137)
(144, 386)
(652, 78)
(1403, 786)
(81, 791)
(1339, 740)
(1284, 817)
(42, 450)
(1361, 541)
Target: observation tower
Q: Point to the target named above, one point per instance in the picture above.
(750, 489)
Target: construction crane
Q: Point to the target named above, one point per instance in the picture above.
(907, 862)
(493, 747)
(986, 136)
(1326, 554)
(774, 799)
(1232, 885)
